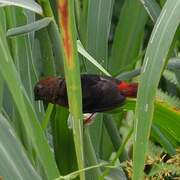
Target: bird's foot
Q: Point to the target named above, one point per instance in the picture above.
(88, 118)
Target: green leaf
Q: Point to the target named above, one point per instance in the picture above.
(162, 139)
(98, 27)
(128, 37)
(152, 8)
(28, 4)
(72, 75)
(22, 59)
(64, 149)
(14, 163)
(48, 66)
(47, 116)
(91, 157)
(168, 119)
(26, 111)
(83, 52)
(28, 28)
(113, 132)
(154, 62)
(129, 74)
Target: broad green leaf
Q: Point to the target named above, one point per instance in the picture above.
(98, 27)
(22, 59)
(168, 119)
(24, 107)
(47, 61)
(64, 149)
(128, 37)
(15, 164)
(154, 62)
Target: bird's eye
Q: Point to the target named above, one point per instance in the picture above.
(39, 86)
(38, 89)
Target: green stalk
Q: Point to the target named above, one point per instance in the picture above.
(72, 74)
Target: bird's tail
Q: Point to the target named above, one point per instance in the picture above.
(128, 89)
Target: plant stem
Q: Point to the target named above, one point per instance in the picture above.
(72, 75)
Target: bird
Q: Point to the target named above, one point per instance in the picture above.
(100, 93)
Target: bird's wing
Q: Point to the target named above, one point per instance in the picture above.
(100, 93)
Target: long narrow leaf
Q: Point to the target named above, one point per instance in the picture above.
(83, 52)
(29, 121)
(72, 75)
(152, 8)
(35, 26)
(28, 4)
(14, 163)
(98, 27)
(157, 50)
(128, 37)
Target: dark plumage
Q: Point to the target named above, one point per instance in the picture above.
(99, 93)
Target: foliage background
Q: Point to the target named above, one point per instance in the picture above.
(131, 40)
